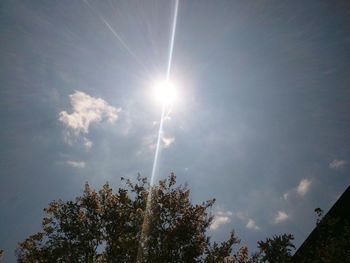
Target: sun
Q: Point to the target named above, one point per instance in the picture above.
(165, 92)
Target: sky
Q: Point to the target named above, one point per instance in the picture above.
(261, 122)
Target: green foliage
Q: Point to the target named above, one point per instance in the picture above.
(142, 224)
(277, 249)
(221, 253)
(138, 223)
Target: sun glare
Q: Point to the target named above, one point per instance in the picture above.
(165, 92)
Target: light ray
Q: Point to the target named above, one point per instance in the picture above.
(121, 41)
(171, 48)
(170, 58)
(146, 225)
(115, 34)
(158, 146)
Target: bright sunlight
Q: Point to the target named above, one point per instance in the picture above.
(165, 92)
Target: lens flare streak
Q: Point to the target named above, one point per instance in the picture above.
(145, 225)
(172, 39)
(158, 146)
(115, 34)
(171, 48)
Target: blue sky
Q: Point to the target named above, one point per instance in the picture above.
(261, 122)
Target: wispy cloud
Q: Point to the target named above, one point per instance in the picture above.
(280, 217)
(168, 141)
(87, 143)
(303, 186)
(221, 218)
(252, 225)
(337, 164)
(76, 164)
(149, 142)
(244, 218)
(301, 190)
(86, 111)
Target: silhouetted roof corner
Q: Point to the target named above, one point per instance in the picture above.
(340, 211)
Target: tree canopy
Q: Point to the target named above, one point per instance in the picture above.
(137, 223)
(142, 223)
(277, 249)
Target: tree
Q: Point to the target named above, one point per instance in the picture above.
(277, 249)
(138, 223)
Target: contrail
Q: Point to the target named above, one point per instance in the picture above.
(145, 226)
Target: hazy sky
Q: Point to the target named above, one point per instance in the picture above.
(261, 122)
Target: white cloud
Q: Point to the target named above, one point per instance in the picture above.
(87, 110)
(303, 186)
(240, 215)
(149, 142)
(168, 141)
(221, 218)
(280, 217)
(337, 164)
(252, 225)
(225, 217)
(87, 143)
(301, 190)
(76, 164)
